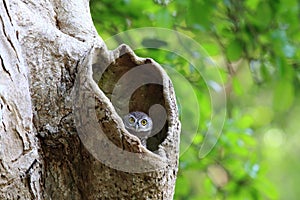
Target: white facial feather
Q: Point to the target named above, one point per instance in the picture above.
(138, 124)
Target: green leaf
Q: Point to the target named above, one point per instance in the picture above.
(261, 115)
(283, 96)
(237, 87)
(182, 186)
(211, 48)
(199, 14)
(252, 4)
(263, 15)
(245, 121)
(234, 50)
(164, 18)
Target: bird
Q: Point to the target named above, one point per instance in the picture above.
(139, 124)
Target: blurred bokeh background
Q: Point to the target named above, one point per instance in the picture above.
(255, 46)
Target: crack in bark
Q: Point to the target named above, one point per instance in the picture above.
(31, 166)
(7, 38)
(2, 22)
(4, 127)
(56, 21)
(18, 68)
(61, 121)
(28, 178)
(6, 9)
(22, 139)
(2, 106)
(30, 189)
(7, 181)
(4, 69)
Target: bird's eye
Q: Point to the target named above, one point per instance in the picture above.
(131, 120)
(144, 122)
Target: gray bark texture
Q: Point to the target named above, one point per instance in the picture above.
(62, 98)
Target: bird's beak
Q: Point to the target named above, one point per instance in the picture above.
(136, 127)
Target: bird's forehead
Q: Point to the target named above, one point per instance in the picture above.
(137, 114)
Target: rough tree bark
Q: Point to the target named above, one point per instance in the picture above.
(61, 97)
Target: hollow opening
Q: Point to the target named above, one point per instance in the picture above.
(133, 86)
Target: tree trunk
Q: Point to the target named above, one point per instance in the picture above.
(62, 96)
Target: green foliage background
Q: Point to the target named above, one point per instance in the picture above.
(256, 44)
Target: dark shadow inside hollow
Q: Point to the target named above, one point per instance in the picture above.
(133, 86)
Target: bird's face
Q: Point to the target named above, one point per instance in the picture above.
(138, 122)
